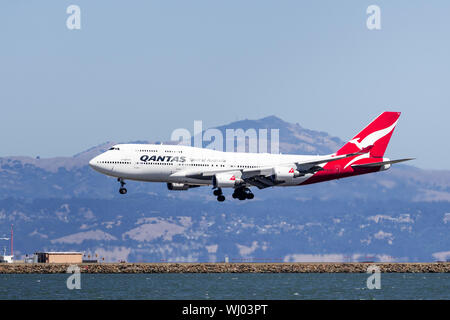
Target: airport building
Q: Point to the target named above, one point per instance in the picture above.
(59, 257)
(6, 259)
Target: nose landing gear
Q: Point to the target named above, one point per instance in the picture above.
(122, 190)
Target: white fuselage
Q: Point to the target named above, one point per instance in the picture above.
(185, 167)
(173, 163)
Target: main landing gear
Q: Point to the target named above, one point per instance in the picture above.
(122, 190)
(242, 194)
(219, 194)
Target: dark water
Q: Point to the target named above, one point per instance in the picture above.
(225, 286)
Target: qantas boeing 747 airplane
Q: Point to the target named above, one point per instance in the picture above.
(184, 167)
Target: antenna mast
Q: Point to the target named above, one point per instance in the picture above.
(12, 250)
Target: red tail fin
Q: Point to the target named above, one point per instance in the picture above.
(375, 137)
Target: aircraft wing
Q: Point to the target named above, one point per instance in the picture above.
(202, 175)
(314, 165)
(261, 177)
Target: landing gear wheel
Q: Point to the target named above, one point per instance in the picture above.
(219, 194)
(243, 193)
(122, 190)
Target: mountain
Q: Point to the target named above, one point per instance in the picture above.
(293, 138)
(60, 204)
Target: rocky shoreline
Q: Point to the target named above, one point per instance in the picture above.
(22, 268)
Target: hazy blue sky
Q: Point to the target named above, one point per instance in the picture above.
(139, 69)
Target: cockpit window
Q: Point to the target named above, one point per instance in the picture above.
(113, 148)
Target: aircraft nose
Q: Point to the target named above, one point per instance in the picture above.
(93, 163)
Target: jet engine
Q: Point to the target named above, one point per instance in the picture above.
(281, 174)
(226, 180)
(179, 186)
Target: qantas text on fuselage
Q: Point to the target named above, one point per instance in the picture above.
(184, 167)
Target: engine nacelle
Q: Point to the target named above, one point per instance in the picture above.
(226, 180)
(178, 186)
(281, 174)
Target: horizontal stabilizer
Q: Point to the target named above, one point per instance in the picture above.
(378, 164)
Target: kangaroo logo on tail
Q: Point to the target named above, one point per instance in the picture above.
(373, 137)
